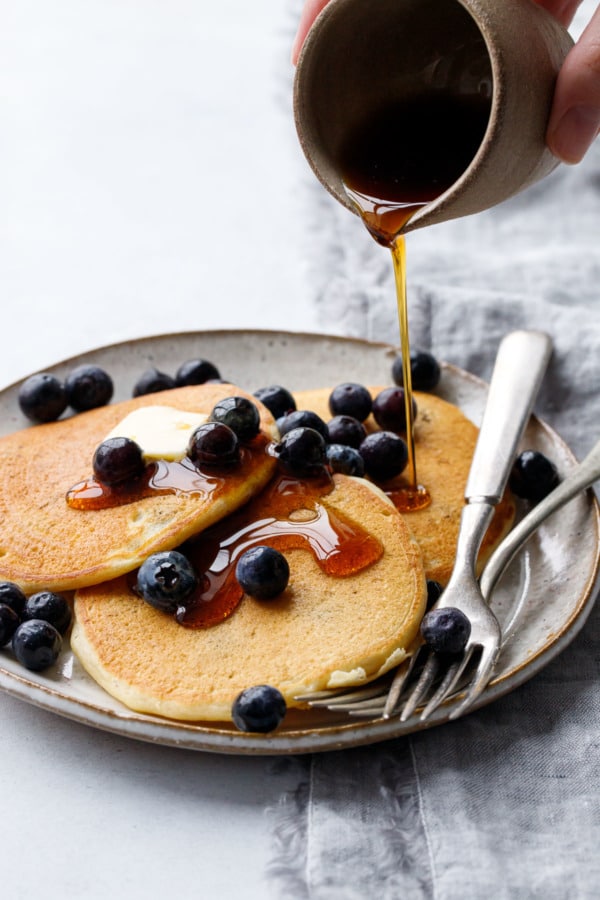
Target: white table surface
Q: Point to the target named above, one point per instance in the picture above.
(131, 206)
(150, 181)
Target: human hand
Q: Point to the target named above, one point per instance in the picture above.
(575, 117)
(310, 11)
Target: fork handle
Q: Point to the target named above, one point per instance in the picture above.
(518, 371)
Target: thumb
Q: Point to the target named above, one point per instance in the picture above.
(310, 11)
(575, 117)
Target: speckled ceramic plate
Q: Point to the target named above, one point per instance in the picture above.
(542, 601)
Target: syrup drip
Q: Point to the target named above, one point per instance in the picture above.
(288, 515)
(181, 478)
(414, 496)
(403, 157)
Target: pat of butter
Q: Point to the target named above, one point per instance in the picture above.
(339, 678)
(161, 431)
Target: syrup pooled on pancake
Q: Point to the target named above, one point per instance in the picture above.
(47, 545)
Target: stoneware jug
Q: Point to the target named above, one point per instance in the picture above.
(361, 53)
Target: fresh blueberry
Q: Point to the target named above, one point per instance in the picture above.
(533, 476)
(151, 382)
(259, 709)
(350, 399)
(434, 592)
(446, 630)
(196, 371)
(9, 622)
(346, 460)
(12, 595)
(346, 430)
(88, 387)
(50, 607)
(116, 460)
(302, 452)
(42, 397)
(302, 418)
(389, 409)
(213, 444)
(36, 644)
(165, 580)
(262, 572)
(384, 454)
(239, 414)
(277, 399)
(425, 371)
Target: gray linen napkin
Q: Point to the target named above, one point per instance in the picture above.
(506, 801)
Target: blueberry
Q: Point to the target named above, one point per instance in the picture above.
(239, 414)
(36, 644)
(346, 460)
(196, 371)
(346, 430)
(165, 580)
(434, 592)
(533, 476)
(302, 451)
(446, 630)
(50, 607)
(350, 399)
(88, 387)
(302, 418)
(277, 399)
(152, 381)
(42, 397)
(9, 622)
(118, 459)
(425, 371)
(259, 709)
(213, 444)
(262, 572)
(385, 455)
(389, 409)
(12, 595)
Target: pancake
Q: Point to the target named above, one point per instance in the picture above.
(46, 545)
(444, 445)
(323, 631)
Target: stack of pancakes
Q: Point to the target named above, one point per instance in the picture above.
(323, 631)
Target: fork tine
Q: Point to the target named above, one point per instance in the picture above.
(402, 675)
(478, 683)
(449, 682)
(426, 679)
(354, 703)
(337, 698)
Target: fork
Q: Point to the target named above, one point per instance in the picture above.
(370, 700)
(518, 371)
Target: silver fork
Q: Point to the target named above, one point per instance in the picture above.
(371, 699)
(520, 365)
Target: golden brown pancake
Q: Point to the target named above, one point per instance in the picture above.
(323, 631)
(47, 545)
(444, 444)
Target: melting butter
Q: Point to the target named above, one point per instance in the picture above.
(162, 432)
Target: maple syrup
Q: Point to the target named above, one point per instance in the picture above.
(400, 158)
(288, 515)
(182, 478)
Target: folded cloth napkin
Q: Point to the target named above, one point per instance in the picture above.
(506, 801)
